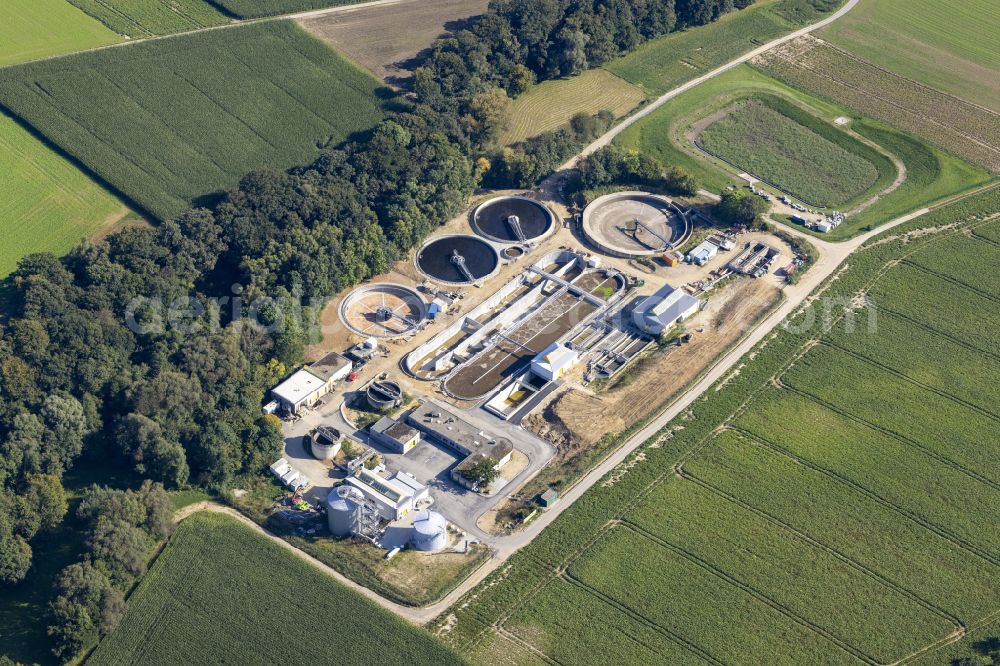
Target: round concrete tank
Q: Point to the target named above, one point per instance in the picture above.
(325, 443)
(384, 394)
(340, 510)
(430, 531)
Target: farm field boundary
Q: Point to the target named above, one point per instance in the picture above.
(550, 104)
(162, 129)
(798, 153)
(915, 554)
(931, 175)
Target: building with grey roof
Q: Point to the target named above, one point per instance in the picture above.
(668, 306)
(453, 431)
(397, 435)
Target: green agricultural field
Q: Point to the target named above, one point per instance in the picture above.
(145, 18)
(46, 203)
(932, 175)
(757, 136)
(164, 129)
(990, 232)
(551, 104)
(815, 507)
(259, 8)
(34, 29)
(941, 306)
(220, 592)
(918, 354)
(950, 261)
(950, 46)
(666, 62)
(811, 583)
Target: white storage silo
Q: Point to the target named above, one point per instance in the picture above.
(430, 531)
(340, 510)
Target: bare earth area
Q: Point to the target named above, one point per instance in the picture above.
(383, 38)
(569, 421)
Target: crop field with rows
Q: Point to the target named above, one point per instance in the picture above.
(968, 130)
(163, 129)
(948, 45)
(835, 500)
(762, 139)
(951, 262)
(192, 608)
(145, 18)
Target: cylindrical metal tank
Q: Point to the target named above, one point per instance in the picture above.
(430, 531)
(340, 510)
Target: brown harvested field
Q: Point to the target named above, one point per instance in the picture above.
(551, 104)
(384, 37)
(968, 130)
(576, 420)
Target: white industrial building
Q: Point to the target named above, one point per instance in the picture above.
(668, 306)
(554, 361)
(394, 497)
(702, 254)
(306, 386)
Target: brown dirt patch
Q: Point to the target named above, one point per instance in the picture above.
(383, 38)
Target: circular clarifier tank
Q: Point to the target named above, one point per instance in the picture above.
(459, 259)
(513, 220)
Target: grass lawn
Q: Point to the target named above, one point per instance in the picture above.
(165, 129)
(33, 29)
(550, 104)
(947, 45)
(46, 203)
(220, 592)
(760, 138)
(145, 18)
(666, 62)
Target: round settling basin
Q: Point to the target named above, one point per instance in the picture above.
(458, 259)
(633, 224)
(513, 220)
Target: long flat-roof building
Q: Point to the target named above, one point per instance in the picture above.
(657, 313)
(455, 432)
(306, 386)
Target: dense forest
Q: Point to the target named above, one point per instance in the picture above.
(139, 348)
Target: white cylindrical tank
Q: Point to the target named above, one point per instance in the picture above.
(340, 510)
(430, 531)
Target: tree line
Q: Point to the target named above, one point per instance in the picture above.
(85, 373)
